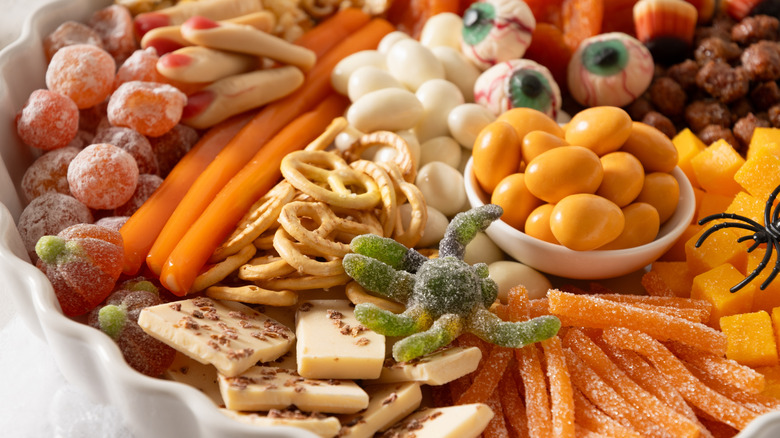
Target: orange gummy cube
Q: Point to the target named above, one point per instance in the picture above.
(760, 174)
(747, 205)
(719, 248)
(768, 298)
(713, 203)
(715, 167)
(713, 286)
(688, 145)
(676, 253)
(676, 275)
(764, 139)
(772, 378)
(751, 340)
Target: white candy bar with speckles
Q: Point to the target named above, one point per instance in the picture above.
(388, 403)
(332, 344)
(318, 424)
(228, 335)
(263, 388)
(464, 421)
(185, 369)
(434, 369)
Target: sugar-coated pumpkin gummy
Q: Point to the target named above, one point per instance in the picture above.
(760, 173)
(140, 66)
(48, 120)
(112, 222)
(49, 214)
(83, 263)
(170, 147)
(147, 184)
(48, 173)
(103, 176)
(719, 248)
(688, 145)
(68, 34)
(134, 143)
(114, 24)
(83, 72)
(150, 108)
(118, 318)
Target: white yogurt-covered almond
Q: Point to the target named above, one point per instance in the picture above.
(508, 274)
(434, 229)
(389, 109)
(413, 64)
(339, 77)
(443, 148)
(438, 97)
(390, 39)
(369, 78)
(466, 121)
(443, 29)
(482, 249)
(458, 69)
(442, 187)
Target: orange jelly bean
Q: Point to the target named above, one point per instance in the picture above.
(623, 178)
(538, 224)
(516, 200)
(563, 171)
(584, 222)
(642, 225)
(602, 129)
(536, 142)
(662, 191)
(496, 154)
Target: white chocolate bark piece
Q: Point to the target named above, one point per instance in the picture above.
(246, 39)
(388, 403)
(434, 369)
(464, 421)
(332, 344)
(228, 335)
(187, 370)
(264, 388)
(318, 424)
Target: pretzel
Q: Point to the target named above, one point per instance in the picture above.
(386, 189)
(407, 192)
(253, 294)
(264, 268)
(327, 178)
(304, 258)
(329, 227)
(218, 272)
(324, 140)
(297, 281)
(403, 157)
(261, 216)
(265, 242)
(356, 294)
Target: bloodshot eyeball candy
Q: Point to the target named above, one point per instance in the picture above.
(610, 69)
(518, 83)
(496, 31)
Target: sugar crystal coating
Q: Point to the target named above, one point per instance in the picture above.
(140, 66)
(48, 173)
(48, 121)
(83, 72)
(114, 25)
(147, 184)
(49, 214)
(150, 108)
(444, 297)
(133, 142)
(103, 176)
(68, 34)
(170, 147)
(112, 222)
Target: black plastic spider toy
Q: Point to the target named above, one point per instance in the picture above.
(769, 234)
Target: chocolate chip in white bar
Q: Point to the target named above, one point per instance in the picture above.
(262, 388)
(319, 424)
(388, 404)
(463, 421)
(228, 335)
(435, 369)
(332, 344)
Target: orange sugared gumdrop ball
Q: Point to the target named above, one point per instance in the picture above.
(114, 24)
(48, 120)
(150, 108)
(49, 173)
(140, 66)
(68, 34)
(83, 72)
(103, 176)
(83, 263)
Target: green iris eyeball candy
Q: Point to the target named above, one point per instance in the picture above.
(518, 83)
(495, 31)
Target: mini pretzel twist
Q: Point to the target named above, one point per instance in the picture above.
(386, 189)
(265, 267)
(303, 257)
(327, 178)
(403, 157)
(411, 234)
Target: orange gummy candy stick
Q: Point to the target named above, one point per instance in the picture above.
(594, 419)
(591, 311)
(655, 285)
(692, 389)
(728, 371)
(674, 422)
(561, 391)
(512, 402)
(486, 380)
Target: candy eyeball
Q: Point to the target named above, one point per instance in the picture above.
(496, 30)
(610, 69)
(518, 83)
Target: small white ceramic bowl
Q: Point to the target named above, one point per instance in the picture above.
(584, 265)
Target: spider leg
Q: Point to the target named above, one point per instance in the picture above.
(412, 320)
(757, 238)
(377, 276)
(771, 223)
(732, 216)
(723, 225)
(486, 325)
(389, 251)
(776, 269)
(443, 331)
(760, 267)
(464, 226)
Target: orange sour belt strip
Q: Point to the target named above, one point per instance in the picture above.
(692, 389)
(674, 422)
(728, 371)
(590, 311)
(655, 285)
(758, 403)
(561, 391)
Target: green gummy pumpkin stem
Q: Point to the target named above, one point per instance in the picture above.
(112, 319)
(50, 248)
